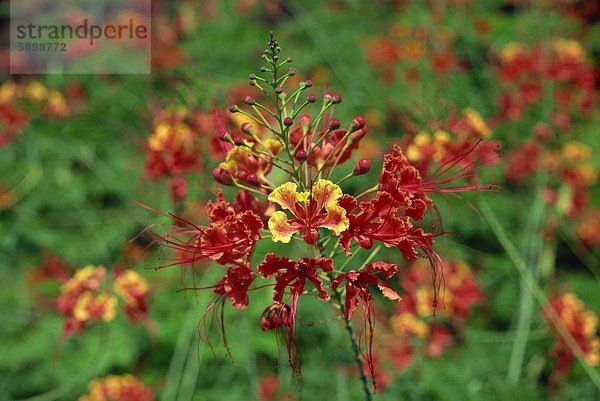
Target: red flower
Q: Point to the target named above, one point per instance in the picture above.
(118, 388)
(357, 288)
(292, 274)
(234, 285)
(229, 239)
(440, 337)
(133, 288)
(289, 273)
(382, 219)
(357, 283)
(82, 300)
(568, 311)
(173, 147)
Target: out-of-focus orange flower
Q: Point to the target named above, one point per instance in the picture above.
(134, 290)
(118, 388)
(568, 311)
(82, 300)
(588, 230)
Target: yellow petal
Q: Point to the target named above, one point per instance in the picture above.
(286, 195)
(325, 192)
(336, 219)
(279, 227)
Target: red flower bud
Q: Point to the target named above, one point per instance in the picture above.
(336, 99)
(253, 180)
(363, 166)
(305, 121)
(247, 128)
(279, 90)
(307, 84)
(358, 123)
(334, 124)
(288, 121)
(224, 136)
(238, 141)
(234, 108)
(249, 100)
(301, 155)
(222, 176)
(311, 98)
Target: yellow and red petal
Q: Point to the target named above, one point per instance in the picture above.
(325, 192)
(273, 145)
(280, 228)
(335, 219)
(286, 196)
(388, 291)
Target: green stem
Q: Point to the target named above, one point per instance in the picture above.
(355, 347)
(534, 288)
(337, 296)
(532, 254)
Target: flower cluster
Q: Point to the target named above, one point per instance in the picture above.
(527, 72)
(566, 315)
(406, 46)
(86, 297)
(412, 323)
(173, 149)
(19, 102)
(118, 388)
(305, 202)
(569, 168)
(588, 230)
(457, 141)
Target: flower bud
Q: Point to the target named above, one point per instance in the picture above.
(279, 90)
(358, 123)
(288, 121)
(263, 69)
(334, 124)
(363, 166)
(234, 108)
(222, 176)
(305, 121)
(238, 141)
(247, 128)
(289, 59)
(311, 98)
(252, 82)
(291, 71)
(275, 316)
(252, 76)
(224, 136)
(307, 84)
(253, 180)
(249, 100)
(301, 155)
(336, 99)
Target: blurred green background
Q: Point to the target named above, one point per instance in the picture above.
(68, 186)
